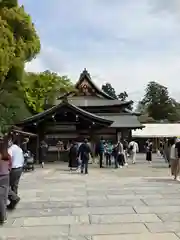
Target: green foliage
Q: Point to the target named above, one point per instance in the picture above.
(8, 3)
(158, 104)
(107, 88)
(123, 96)
(7, 48)
(12, 109)
(42, 87)
(19, 43)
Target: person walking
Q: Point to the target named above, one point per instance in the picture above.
(174, 159)
(43, 152)
(83, 153)
(5, 165)
(108, 153)
(120, 159)
(149, 148)
(133, 148)
(125, 147)
(73, 156)
(17, 162)
(100, 151)
(177, 162)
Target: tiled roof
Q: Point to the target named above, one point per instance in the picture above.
(95, 102)
(123, 121)
(53, 110)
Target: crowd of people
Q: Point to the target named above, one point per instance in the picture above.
(114, 154)
(11, 168)
(12, 162)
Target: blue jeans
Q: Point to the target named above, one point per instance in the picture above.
(116, 161)
(84, 164)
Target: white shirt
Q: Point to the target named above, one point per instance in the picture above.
(17, 156)
(173, 152)
(134, 145)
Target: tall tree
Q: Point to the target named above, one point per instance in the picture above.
(42, 87)
(123, 96)
(19, 43)
(12, 109)
(107, 88)
(157, 102)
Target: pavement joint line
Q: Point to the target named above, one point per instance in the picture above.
(177, 235)
(143, 201)
(145, 224)
(134, 210)
(160, 218)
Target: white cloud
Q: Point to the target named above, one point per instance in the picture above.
(127, 43)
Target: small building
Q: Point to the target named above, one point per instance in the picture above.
(156, 132)
(86, 112)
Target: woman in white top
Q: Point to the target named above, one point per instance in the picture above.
(174, 160)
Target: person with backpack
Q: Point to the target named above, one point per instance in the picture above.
(108, 153)
(133, 149)
(83, 153)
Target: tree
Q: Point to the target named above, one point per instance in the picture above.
(12, 109)
(19, 43)
(122, 96)
(107, 88)
(42, 87)
(8, 3)
(157, 102)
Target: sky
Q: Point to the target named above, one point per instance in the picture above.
(125, 42)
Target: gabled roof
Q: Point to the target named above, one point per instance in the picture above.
(99, 102)
(86, 76)
(49, 112)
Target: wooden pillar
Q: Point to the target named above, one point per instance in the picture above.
(92, 135)
(130, 135)
(37, 149)
(118, 135)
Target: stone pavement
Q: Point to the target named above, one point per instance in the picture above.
(134, 203)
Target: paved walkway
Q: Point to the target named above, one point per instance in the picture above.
(135, 203)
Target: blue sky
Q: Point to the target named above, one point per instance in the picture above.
(124, 42)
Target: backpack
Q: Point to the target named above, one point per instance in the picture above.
(131, 147)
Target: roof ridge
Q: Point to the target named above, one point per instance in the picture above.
(86, 74)
(63, 102)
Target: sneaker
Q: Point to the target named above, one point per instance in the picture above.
(2, 222)
(126, 164)
(13, 204)
(121, 166)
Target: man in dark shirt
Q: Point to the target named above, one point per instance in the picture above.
(83, 153)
